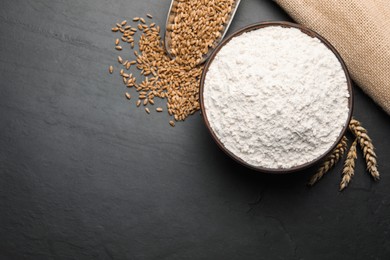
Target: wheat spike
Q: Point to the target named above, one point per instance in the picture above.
(349, 166)
(366, 145)
(331, 161)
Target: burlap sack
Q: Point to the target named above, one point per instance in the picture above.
(360, 31)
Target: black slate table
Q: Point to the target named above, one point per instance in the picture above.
(86, 175)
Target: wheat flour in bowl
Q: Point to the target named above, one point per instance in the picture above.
(276, 97)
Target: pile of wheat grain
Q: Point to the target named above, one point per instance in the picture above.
(191, 34)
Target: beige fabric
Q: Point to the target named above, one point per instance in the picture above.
(360, 31)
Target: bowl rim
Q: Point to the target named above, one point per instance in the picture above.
(309, 32)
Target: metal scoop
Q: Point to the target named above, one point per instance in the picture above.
(170, 17)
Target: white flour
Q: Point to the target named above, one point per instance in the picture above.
(276, 98)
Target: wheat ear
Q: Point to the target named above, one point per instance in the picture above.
(349, 166)
(366, 145)
(330, 161)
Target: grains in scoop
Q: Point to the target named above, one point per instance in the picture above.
(195, 26)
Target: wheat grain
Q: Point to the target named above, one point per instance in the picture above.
(330, 161)
(367, 146)
(349, 166)
(192, 32)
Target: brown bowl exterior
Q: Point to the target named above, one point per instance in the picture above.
(308, 32)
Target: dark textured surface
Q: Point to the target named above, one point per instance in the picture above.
(85, 175)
